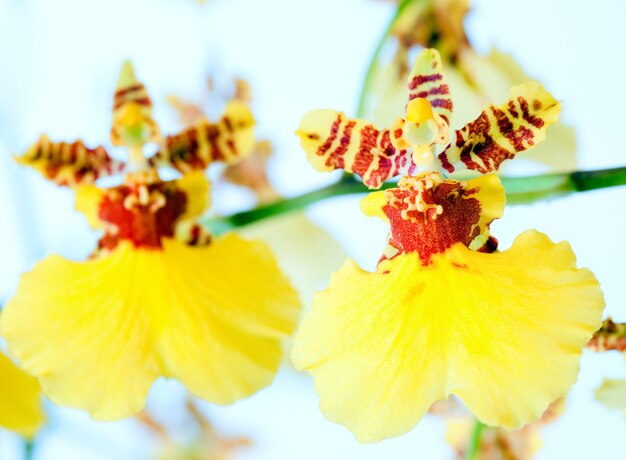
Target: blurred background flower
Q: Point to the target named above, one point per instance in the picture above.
(297, 56)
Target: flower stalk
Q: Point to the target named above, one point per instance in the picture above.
(519, 190)
(29, 449)
(474, 446)
(371, 68)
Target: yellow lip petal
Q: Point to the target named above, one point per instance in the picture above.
(98, 333)
(503, 331)
(20, 400)
(223, 338)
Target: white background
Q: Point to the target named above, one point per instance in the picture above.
(59, 61)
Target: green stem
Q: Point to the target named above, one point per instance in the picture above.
(474, 446)
(29, 449)
(519, 190)
(371, 68)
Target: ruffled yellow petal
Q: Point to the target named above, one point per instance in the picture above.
(20, 400)
(612, 393)
(98, 333)
(223, 334)
(87, 201)
(503, 331)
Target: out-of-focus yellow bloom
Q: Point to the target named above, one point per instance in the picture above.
(444, 313)
(474, 79)
(612, 393)
(284, 233)
(495, 443)
(159, 297)
(20, 400)
(206, 442)
(499, 443)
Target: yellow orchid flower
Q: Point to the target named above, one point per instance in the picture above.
(20, 400)
(159, 297)
(445, 312)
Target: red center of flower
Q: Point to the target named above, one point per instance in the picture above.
(142, 213)
(429, 214)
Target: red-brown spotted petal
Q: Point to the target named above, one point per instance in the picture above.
(500, 132)
(69, 164)
(334, 141)
(427, 81)
(144, 210)
(228, 141)
(429, 214)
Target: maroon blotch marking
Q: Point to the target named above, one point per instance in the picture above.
(532, 119)
(421, 79)
(141, 224)
(334, 129)
(336, 158)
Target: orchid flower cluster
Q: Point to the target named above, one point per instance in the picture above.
(447, 318)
